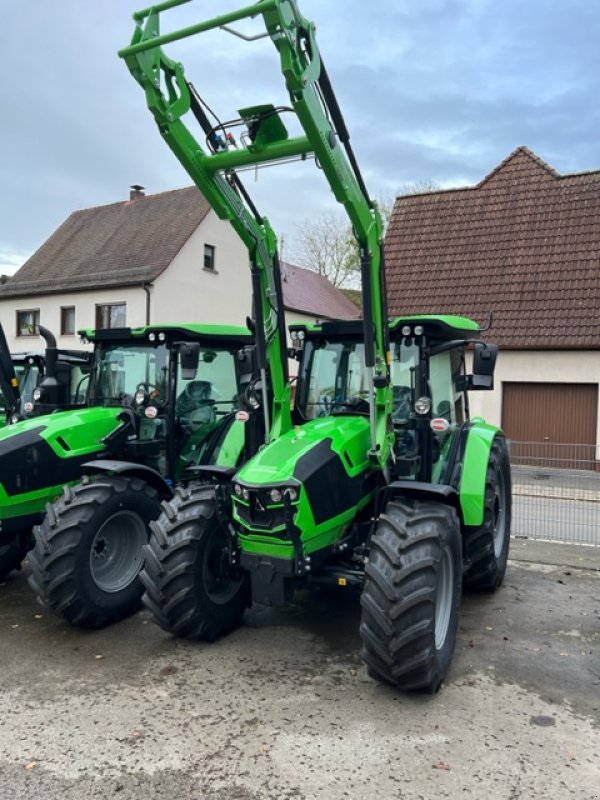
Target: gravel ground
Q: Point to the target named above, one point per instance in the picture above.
(284, 709)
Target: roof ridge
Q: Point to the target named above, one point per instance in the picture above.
(129, 202)
(526, 151)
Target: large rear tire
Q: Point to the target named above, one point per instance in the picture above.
(89, 550)
(486, 546)
(411, 597)
(191, 588)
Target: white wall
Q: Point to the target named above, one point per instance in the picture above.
(553, 366)
(186, 292)
(85, 314)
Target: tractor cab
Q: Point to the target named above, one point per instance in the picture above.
(65, 390)
(428, 376)
(179, 388)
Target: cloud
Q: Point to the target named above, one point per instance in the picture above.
(438, 90)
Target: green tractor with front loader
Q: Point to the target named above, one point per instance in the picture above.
(162, 399)
(382, 483)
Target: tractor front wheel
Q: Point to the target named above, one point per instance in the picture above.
(486, 546)
(192, 589)
(411, 596)
(89, 550)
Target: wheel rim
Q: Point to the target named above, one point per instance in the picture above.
(443, 605)
(499, 515)
(116, 555)
(218, 585)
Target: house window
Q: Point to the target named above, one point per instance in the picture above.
(209, 257)
(110, 315)
(28, 321)
(67, 320)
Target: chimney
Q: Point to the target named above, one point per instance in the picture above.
(136, 192)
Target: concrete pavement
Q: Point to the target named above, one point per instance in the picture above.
(283, 708)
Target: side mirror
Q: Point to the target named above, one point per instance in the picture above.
(189, 358)
(484, 363)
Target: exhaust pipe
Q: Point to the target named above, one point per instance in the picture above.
(49, 385)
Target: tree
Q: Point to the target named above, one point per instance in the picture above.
(327, 246)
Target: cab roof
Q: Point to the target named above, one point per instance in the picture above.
(223, 334)
(437, 326)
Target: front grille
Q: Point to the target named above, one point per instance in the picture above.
(270, 519)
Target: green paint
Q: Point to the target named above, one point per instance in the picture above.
(474, 471)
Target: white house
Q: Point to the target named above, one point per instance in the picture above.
(152, 259)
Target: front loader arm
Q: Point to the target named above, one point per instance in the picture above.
(170, 98)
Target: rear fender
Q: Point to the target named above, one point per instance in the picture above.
(130, 470)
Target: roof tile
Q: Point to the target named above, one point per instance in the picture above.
(524, 243)
(119, 244)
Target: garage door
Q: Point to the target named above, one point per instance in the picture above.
(552, 422)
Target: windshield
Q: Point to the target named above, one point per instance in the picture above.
(29, 376)
(214, 386)
(121, 369)
(405, 358)
(333, 379)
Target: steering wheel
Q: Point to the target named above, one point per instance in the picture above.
(198, 417)
(355, 404)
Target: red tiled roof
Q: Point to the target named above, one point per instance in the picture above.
(121, 244)
(308, 292)
(524, 243)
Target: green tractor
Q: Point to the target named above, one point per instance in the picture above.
(312, 510)
(160, 399)
(382, 483)
(34, 383)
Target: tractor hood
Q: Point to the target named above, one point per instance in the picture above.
(296, 453)
(39, 456)
(79, 430)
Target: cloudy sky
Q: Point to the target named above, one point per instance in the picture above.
(432, 90)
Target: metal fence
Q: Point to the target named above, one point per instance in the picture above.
(556, 492)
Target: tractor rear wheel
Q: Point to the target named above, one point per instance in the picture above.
(486, 546)
(191, 589)
(89, 550)
(412, 594)
(13, 548)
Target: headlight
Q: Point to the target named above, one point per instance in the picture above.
(237, 489)
(37, 393)
(28, 407)
(292, 493)
(140, 397)
(246, 494)
(422, 405)
(419, 330)
(406, 330)
(275, 496)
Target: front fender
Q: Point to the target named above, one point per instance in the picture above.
(129, 469)
(474, 471)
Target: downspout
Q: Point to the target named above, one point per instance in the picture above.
(146, 288)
